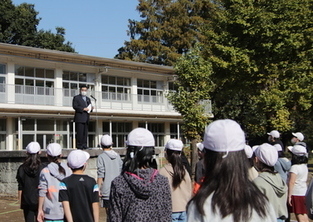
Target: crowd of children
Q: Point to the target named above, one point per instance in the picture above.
(233, 182)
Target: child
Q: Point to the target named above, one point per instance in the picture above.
(226, 193)
(253, 173)
(140, 193)
(298, 176)
(179, 179)
(28, 179)
(199, 172)
(282, 165)
(50, 209)
(109, 166)
(269, 181)
(79, 193)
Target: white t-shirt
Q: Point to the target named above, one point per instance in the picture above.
(300, 187)
(194, 216)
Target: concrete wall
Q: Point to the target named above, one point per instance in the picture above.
(11, 160)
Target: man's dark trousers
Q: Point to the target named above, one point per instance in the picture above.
(81, 135)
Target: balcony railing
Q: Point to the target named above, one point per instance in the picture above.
(36, 95)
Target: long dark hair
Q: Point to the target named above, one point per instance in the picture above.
(139, 157)
(233, 193)
(262, 167)
(298, 159)
(174, 157)
(32, 161)
(55, 159)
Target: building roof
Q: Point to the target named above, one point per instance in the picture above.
(75, 58)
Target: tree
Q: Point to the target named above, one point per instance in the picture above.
(261, 54)
(18, 25)
(193, 86)
(168, 29)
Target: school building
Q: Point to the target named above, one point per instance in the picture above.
(37, 87)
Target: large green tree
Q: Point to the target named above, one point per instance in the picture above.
(18, 25)
(261, 53)
(194, 86)
(168, 29)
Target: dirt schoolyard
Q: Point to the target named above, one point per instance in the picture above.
(10, 210)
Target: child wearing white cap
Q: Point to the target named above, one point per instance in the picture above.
(282, 166)
(253, 173)
(179, 179)
(269, 181)
(49, 208)
(274, 139)
(297, 179)
(140, 193)
(79, 193)
(227, 194)
(109, 166)
(199, 170)
(28, 179)
(297, 139)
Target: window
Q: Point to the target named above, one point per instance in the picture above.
(30, 80)
(172, 86)
(174, 132)
(2, 84)
(120, 131)
(72, 81)
(45, 131)
(3, 69)
(3, 134)
(150, 91)
(115, 88)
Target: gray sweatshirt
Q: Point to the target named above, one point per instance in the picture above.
(275, 189)
(109, 166)
(49, 188)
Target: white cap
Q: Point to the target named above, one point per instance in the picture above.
(267, 154)
(248, 151)
(77, 159)
(274, 134)
(54, 149)
(174, 144)
(299, 136)
(278, 147)
(106, 140)
(298, 150)
(140, 137)
(255, 147)
(200, 146)
(224, 136)
(33, 147)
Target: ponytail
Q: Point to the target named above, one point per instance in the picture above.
(174, 157)
(55, 159)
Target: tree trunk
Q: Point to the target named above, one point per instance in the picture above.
(194, 156)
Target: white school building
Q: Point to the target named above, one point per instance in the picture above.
(37, 87)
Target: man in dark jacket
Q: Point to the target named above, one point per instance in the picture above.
(82, 107)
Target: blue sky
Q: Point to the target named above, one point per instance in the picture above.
(95, 27)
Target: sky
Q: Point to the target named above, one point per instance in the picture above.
(94, 27)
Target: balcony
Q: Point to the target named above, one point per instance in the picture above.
(36, 95)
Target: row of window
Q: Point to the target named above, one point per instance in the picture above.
(40, 81)
(46, 131)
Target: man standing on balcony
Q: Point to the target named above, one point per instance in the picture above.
(82, 107)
